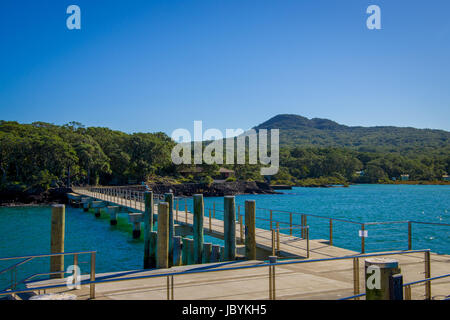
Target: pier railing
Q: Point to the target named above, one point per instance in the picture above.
(392, 235)
(272, 294)
(13, 269)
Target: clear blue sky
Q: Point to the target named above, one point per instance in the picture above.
(159, 65)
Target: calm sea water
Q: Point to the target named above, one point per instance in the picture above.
(26, 230)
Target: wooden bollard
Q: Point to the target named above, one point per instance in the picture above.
(136, 219)
(162, 255)
(58, 223)
(221, 253)
(250, 229)
(153, 239)
(188, 245)
(215, 253)
(113, 210)
(207, 248)
(185, 251)
(198, 228)
(148, 227)
(378, 272)
(168, 197)
(229, 228)
(177, 247)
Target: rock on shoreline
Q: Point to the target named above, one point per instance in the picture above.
(215, 189)
(58, 195)
(9, 198)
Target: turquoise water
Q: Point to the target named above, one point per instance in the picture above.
(26, 230)
(362, 203)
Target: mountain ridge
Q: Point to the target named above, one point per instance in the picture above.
(296, 130)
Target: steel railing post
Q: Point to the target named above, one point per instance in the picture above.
(408, 293)
(427, 275)
(363, 238)
(290, 223)
(331, 232)
(278, 238)
(75, 264)
(356, 277)
(92, 285)
(409, 235)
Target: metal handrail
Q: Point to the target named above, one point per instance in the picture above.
(47, 255)
(426, 280)
(405, 285)
(28, 258)
(196, 271)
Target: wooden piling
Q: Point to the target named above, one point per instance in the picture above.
(198, 228)
(221, 253)
(207, 249)
(229, 228)
(215, 253)
(168, 197)
(151, 260)
(162, 256)
(177, 251)
(113, 210)
(58, 222)
(184, 251)
(190, 250)
(148, 226)
(250, 229)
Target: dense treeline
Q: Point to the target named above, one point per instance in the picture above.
(40, 155)
(338, 165)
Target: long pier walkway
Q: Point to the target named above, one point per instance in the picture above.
(289, 246)
(341, 275)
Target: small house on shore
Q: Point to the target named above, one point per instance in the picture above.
(445, 177)
(404, 177)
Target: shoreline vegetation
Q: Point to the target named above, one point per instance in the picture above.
(39, 157)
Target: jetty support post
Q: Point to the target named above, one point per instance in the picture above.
(184, 251)
(113, 210)
(148, 227)
(58, 222)
(153, 239)
(241, 229)
(86, 206)
(207, 249)
(177, 260)
(215, 253)
(85, 203)
(198, 228)
(221, 253)
(190, 251)
(168, 197)
(250, 229)
(162, 256)
(377, 275)
(136, 219)
(229, 228)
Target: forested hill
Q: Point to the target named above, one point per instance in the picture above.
(298, 131)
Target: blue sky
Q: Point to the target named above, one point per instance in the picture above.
(145, 66)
